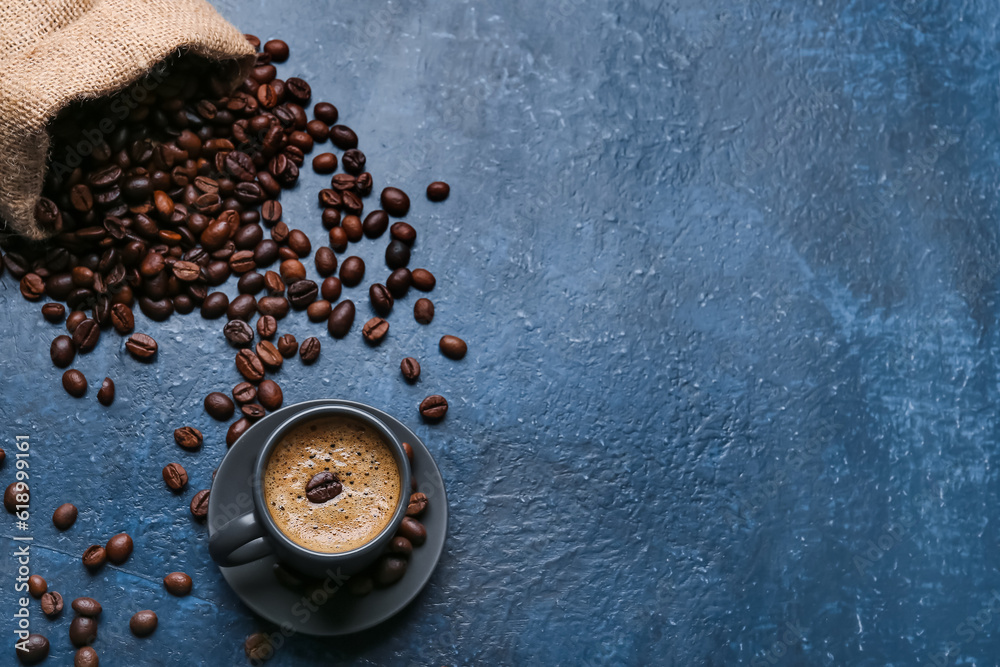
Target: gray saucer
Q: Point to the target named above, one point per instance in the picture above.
(344, 613)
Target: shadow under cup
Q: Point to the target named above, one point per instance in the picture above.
(255, 534)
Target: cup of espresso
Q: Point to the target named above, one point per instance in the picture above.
(330, 488)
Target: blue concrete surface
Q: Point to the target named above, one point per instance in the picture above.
(729, 275)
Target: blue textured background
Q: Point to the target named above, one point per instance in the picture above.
(728, 272)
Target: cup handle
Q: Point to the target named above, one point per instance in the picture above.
(239, 542)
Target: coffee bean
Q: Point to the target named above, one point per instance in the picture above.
(199, 504)
(186, 271)
(319, 311)
(423, 280)
(65, 516)
(279, 233)
(86, 656)
(302, 292)
(119, 548)
(32, 287)
(73, 320)
(403, 232)
(417, 504)
(270, 395)
(266, 252)
(375, 330)
(16, 497)
(438, 191)
(423, 311)
(326, 261)
(410, 368)
(399, 282)
(250, 366)
(236, 429)
(341, 319)
(258, 648)
(338, 239)
(353, 228)
(275, 306)
(32, 650)
(238, 333)
(352, 271)
(244, 392)
(413, 530)
(74, 383)
(141, 346)
(274, 284)
(242, 307)
(322, 487)
(218, 405)
(400, 545)
(318, 130)
(175, 476)
(177, 583)
(309, 350)
(397, 255)
(292, 270)
(389, 570)
(83, 631)
(106, 394)
(87, 333)
(277, 49)
(250, 283)
(271, 211)
(325, 163)
(375, 224)
(395, 202)
(298, 90)
(122, 318)
(381, 299)
(330, 218)
(94, 557)
(143, 623)
(434, 408)
(157, 310)
(214, 306)
(88, 607)
(62, 351)
(269, 355)
(267, 326)
(287, 345)
(453, 347)
(343, 137)
(37, 586)
(52, 604)
(299, 242)
(331, 288)
(325, 112)
(54, 312)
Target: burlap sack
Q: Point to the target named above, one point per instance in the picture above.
(53, 52)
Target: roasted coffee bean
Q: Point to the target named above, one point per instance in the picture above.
(330, 198)
(343, 137)
(338, 239)
(242, 307)
(322, 487)
(395, 202)
(106, 394)
(423, 279)
(275, 285)
(143, 623)
(288, 346)
(83, 631)
(399, 282)
(55, 312)
(341, 319)
(218, 405)
(269, 355)
(352, 271)
(250, 283)
(330, 218)
(238, 333)
(250, 366)
(177, 583)
(438, 191)
(397, 255)
(88, 607)
(242, 261)
(199, 504)
(33, 649)
(408, 448)
(175, 476)
(423, 311)
(271, 211)
(331, 288)
(86, 656)
(410, 368)
(301, 293)
(318, 130)
(413, 530)
(400, 545)
(17, 493)
(277, 49)
(319, 311)
(353, 161)
(141, 346)
(326, 262)
(94, 557)
(214, 306)
(122, 318)
(253, 411)
(275, 306)
(190, 438)
(298, 90)
(62, 351)
(32, 287)
(353, 228)
(74, 383)
(37, 586)
(325, 163)
(309, 350)
(343, 183)
(86, 335)
(434, 407)
(258, 648)
(381, 299)
(157, 310)
(65, 516)
(236, 429)
(417, 504)
(403, 232)
(52, 604)
(292, 270)
(269, 394)
(186, 271)
(325, 112)
(267, 326)
(375, 224)
(244, 392)
(266, 252)
(364, 184)
(119, 548)
(453, 347)
(389, 570)
(73, 320)
(375, 330)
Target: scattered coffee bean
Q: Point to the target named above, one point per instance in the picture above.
(52, 604)
(242, 307)
(86, 335)
(326, 261)
(408, 448)
(413, 530)
(267, 326)
(353, 161)
(453, 347)
(236, 429)
(331, 288)
(325, 163)
(403, 232)
(301, 293)
(94, 557)
(54, 312)
(438, 191)
(319, 311)
(218, 406)
(82, 631)
(434, 408)
(309, 350)
(423, 311)
(325, 112)
(64, 516)
(322, 487)
(400, 545)
(214, 306)
(122, 318)
(62, 351)
(73, 320)
(175, 476)
(341, 319)
(33, 650)
(397, 255)
(343, 137)
(190, 438)
(244, 392)
(37, 586)
(375, 224)
(177, 583)
(395, 202)
(238, 333)
(143, 623)
(253, 411)
(106, 394)
(270, 395)
(16, 494)
(399, 282)
(375, 330)
(292, 270)
(258, 648)
(352, 271)
(423, 279)
(199, 504)
(32, 287)
(338, 239)
(269, 355)
(410, 368)
(88, 607)
(119, 548)
(287, 345)
(74, 383)
(86, 656)
(417, 504)
(352, 228)
(141, 346)
(274, 306)
(277, 49)
(389, 570)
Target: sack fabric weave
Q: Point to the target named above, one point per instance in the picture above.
(56, 52)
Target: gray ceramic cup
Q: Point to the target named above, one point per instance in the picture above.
(254, 535)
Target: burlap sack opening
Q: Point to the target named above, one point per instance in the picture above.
(56, 52)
